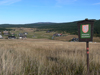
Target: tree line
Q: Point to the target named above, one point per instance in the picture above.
(71, 27)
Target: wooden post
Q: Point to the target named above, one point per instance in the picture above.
(87, 51)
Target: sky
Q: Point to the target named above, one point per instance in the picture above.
(58, 11)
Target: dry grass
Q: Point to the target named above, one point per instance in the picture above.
(96, 39)
(24, 29)
(46, 57)
(70, 37)
(66, 38)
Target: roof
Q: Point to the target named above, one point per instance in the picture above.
(10, 37)
(5, 31)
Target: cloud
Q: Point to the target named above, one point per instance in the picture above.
(97, 3)
(65, 1)
(8, 2)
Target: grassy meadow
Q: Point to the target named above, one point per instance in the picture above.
(47, 57)
(33, 33)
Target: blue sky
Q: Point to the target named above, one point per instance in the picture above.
(32, 11)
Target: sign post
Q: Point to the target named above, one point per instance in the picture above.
(85, 34)
(87, 51)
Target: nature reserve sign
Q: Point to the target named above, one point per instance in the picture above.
(85, 34)
(85, 30)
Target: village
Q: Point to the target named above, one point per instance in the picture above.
(25, 33)
(33, 33)
(8, 35)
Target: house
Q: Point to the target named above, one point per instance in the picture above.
(5, 32)
(75, 39)
(57, 34)
(1, 37)
(21, 36)
(25, 33)
(48, 31)
(13, 34)
(11, 37)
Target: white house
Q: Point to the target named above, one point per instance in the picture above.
(1, 37)
(25, 33)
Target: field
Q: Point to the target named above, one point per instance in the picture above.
(47, 57)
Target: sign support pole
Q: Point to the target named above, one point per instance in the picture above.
(87, 50)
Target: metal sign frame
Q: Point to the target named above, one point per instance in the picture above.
(85, 22)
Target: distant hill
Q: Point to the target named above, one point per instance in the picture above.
(32, 25)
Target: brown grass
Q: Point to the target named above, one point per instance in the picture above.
(66, 38)
(70, 37)
(46, 57)
(96, 39)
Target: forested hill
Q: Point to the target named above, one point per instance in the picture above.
(31, 25)
(71, 27)
(97, 28)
